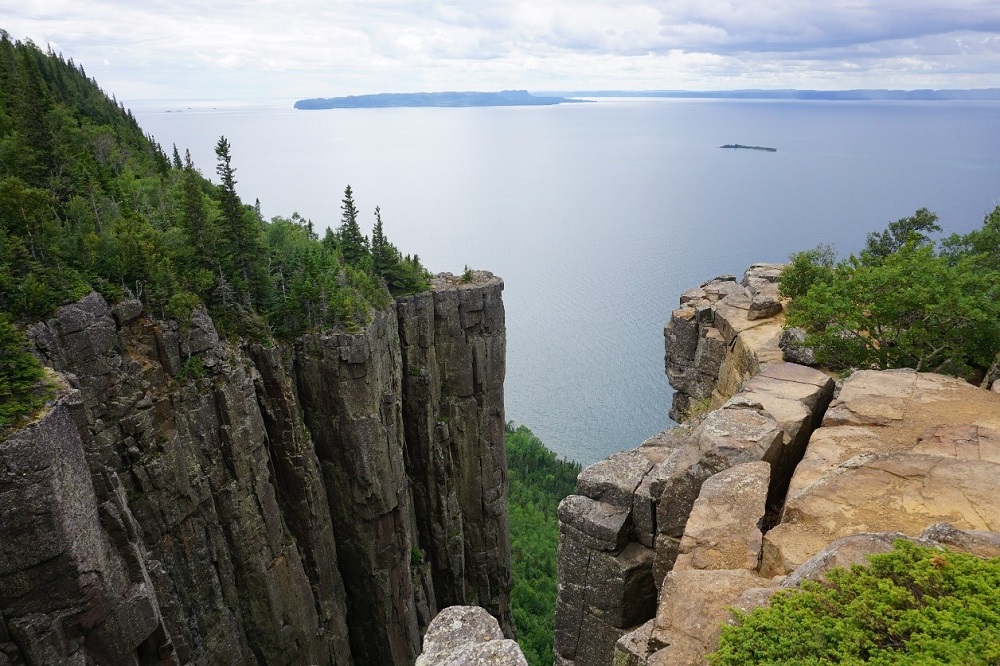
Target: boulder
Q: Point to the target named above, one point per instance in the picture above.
(468, 636)
(793, 347)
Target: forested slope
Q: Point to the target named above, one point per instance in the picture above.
(88, 202)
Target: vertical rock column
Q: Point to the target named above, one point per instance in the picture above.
(454, 345)
(176, 451)
(302, 496)
(722, 334)
(350, 388)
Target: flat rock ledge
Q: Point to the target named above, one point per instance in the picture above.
(899, 455)
(468, 636)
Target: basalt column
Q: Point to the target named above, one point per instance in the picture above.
(453, 345)
(350, 388)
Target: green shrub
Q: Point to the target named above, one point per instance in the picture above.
(193, 368)
(913, 605)
(807, 268)
(23, 388)
(180, 306)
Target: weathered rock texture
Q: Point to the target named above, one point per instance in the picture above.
(691, 502)
(898, 451)
(454, 349)
(468, 636)
(750, 498)
(194, 502)
(722, 334)
(668, 507)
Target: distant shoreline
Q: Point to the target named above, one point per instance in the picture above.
(974, 94)
(434, 99)
(742, 147)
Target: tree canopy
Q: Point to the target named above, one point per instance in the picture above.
(87, 201)
(539, 480)
(902, 302)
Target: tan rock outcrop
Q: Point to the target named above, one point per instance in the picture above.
(696, 495)
(692, 607)
(722, 531)
(898, 451)
(723, 333)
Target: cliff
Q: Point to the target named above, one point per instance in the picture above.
(773, 481)
(193, 501)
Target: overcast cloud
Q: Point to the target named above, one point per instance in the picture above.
(212, 49)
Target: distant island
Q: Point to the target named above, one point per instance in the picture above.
(740, 145)
(976, 94)
(434, 99)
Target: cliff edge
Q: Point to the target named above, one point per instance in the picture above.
(195, 501)
(773, 481)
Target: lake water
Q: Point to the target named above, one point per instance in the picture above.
(598, 215)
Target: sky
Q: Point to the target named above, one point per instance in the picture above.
(292, 49)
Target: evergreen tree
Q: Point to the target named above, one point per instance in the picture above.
(384, 255)
(353, 244)
(241, 243)
(33, 138)
(176, 163)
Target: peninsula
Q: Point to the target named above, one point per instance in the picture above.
(435, 99)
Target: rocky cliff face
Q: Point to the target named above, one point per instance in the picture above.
(318, 502)
(773, 486)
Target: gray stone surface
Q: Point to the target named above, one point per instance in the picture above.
(468, 636)
(257, 507)
(66, 594)
(793, 347)
(600, 525)
(453, 343)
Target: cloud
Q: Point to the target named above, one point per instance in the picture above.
(297, 48)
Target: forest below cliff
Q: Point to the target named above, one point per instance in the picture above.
(539, 480)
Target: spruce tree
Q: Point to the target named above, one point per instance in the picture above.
(353, 244)
(384, 255)
(242, 255)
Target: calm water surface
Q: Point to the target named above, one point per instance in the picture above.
(598, 215)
